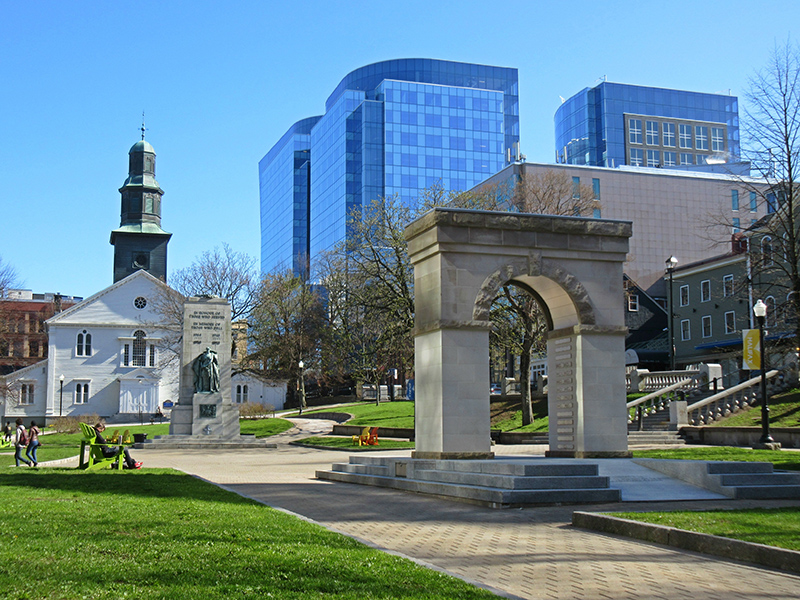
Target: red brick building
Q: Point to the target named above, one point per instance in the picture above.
(23, 339)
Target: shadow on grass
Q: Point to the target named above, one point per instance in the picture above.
(152, 483)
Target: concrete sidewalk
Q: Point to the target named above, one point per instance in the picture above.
(525, 553)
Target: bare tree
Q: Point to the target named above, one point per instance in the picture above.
(772, 137)
(223, 273)
(287, 325)
(8, 277)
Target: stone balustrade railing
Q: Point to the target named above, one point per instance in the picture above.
(727, 401)
(642, 380)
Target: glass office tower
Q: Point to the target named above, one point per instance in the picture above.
(614, 124)
(394, 127)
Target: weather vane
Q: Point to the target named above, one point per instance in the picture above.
(143, 127)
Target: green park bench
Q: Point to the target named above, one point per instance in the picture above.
(96, 459)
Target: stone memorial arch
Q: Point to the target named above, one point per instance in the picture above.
(573, 266)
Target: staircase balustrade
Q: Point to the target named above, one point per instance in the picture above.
(740, 396)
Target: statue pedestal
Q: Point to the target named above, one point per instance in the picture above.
(208, 416)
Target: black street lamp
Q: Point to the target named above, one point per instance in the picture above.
(61, 397)
(670, 267)
(766, 441)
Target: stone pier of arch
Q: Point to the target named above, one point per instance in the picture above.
(574, 266)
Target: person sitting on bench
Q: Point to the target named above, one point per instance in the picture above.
(109, 452)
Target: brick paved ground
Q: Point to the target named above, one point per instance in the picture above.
(527, 553)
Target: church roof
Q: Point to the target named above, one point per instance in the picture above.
(142, 146)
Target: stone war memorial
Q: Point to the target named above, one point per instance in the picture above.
(573, 267)
(205, 414)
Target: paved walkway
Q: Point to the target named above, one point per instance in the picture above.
(523, 553)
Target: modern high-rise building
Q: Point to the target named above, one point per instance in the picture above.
(393, 127)
(615, 124)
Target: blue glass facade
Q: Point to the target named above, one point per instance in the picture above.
(394, 127)
(613, 124)
(284, 181)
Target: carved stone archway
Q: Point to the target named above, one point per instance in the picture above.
(461, 260)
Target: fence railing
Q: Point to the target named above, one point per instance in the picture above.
(722, 404)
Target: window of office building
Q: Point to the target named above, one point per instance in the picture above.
(670, 159)
(753, 202)
(734, 199)
(637, 157)
(596, 189)
(717, 139)
(705, 290)
(684, 295)
(651, 133)
(727, 286)
(685, 136)
(730, 322)
(635, 131)
(686, 333)
(669, 134)
(653, 158)
(701, 137)
(707, 326)
(687, 158)
(737, 226)
(772, 316)
(772, 203)
(576, 188)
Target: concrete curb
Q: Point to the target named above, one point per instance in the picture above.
(768, 556)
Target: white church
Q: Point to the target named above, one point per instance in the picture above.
(110, 355)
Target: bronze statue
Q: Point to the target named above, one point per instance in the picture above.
(206, 372)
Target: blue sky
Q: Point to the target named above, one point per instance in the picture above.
(220, 82)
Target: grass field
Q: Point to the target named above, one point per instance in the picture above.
(782, 460)
(157, 533)
(784, 411)
(56, 446)
(505, 415)
(774, 527)
(346, 443)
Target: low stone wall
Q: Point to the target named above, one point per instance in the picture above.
(387, 432)
(789, 437)
(777, 558)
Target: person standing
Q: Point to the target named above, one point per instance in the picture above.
(20, 442)
(33, 443)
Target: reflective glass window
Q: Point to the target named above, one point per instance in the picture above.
(701, 137)
(669, 134)
(651, 134)
(635, 131)
(685, 136)
(637, 157)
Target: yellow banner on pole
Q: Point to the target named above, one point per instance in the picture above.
(751, 350)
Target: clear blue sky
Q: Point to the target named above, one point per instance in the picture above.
(220, 82)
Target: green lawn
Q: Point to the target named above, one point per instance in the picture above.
(782, 460)
(774, 527)
(157, 533)
(784, 411)
(64, 445)
(346, 443)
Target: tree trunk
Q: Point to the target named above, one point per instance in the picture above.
(525, 378)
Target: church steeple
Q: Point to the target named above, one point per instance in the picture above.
(140, 243)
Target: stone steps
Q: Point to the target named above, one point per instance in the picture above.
(494, 483)
(654, 438)
(737, 480)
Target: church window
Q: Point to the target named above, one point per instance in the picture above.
(126, 355)
(139, 348)
(152, 355)
(140, 302)
(83, 346)
(26, 393)
(241, 394)
(81, 393)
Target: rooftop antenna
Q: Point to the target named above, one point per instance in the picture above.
(143, 128)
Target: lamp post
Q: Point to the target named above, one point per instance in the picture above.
(670, 267)
(61, 396)
(766, 441)
(302, 388)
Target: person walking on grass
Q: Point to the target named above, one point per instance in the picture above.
(20, 442)
(33, 443)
